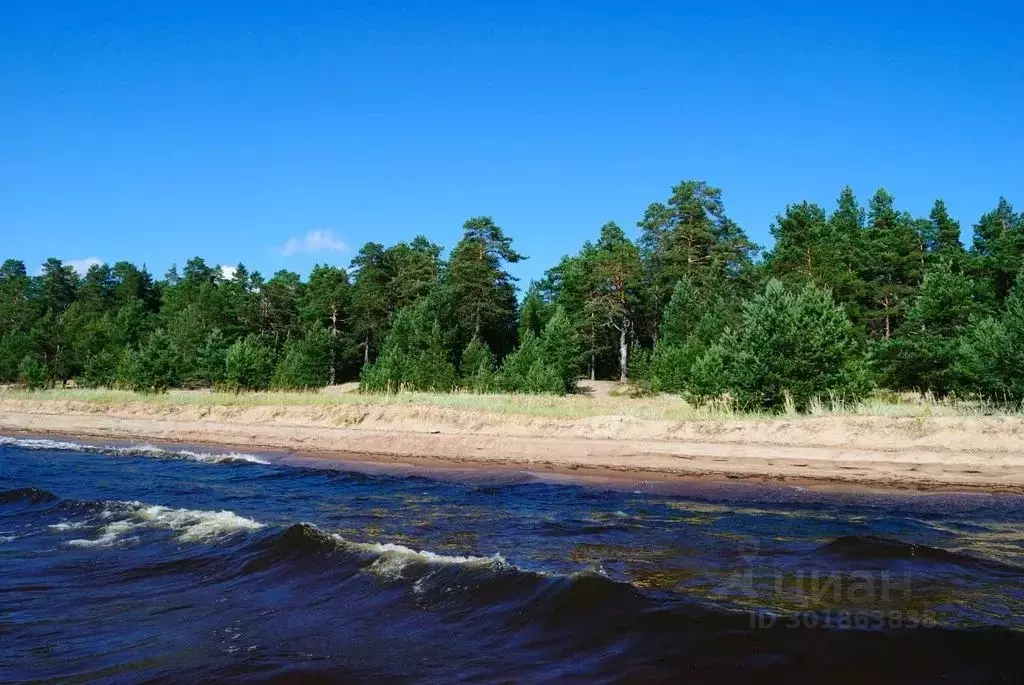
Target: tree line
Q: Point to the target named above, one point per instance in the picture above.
(845, 301)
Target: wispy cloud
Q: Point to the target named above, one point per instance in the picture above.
(228, 272)
(82, 265)
(313, 242)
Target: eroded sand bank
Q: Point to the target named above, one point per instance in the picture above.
(929, 452)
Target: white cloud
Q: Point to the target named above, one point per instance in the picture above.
(313, 243)
(82, 265)
(227, 272)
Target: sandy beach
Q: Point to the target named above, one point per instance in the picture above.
(909, 452)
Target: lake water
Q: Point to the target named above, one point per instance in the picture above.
(159, 564)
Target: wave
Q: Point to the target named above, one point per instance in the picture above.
(878, 547)
(133, 451)
(27, 496)
(388, 561)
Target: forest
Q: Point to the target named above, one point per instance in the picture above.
(846, 301)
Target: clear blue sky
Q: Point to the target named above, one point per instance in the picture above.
(153, 131)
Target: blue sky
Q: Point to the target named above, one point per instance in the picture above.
(282, 134)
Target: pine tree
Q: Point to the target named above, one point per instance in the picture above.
(533, 313)
(894, 263)
(480, 292)
(788, 347)
(476, 368)
(689, 326)
(617, 271)
(414, 356)
(690, 236)
(371, 298)
(803, 250)
(845, 231)
(990, 357)
(249, 363)
(947, 246)
(152, 367)
(305, 362)
(327, 303)
(921, 355)
(998, 249)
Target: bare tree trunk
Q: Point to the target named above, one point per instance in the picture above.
(334, 342)
(623, 352)
(366, 351)
(593, 365)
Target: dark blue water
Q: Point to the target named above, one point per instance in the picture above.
(141, 564)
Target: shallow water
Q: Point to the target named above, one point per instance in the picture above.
(164, 564)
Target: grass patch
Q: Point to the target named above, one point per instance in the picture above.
(546, 406)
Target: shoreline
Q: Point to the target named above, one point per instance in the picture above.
(830, 452)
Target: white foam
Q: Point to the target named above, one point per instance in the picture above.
(189, 525)
(132, 450)
(392, 559)
(68, 525)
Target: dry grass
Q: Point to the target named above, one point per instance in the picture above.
(574, 406)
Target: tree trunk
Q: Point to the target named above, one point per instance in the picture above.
(334, 339)
(593, 365)
(623, 353)
(366, 351)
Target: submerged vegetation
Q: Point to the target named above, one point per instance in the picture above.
(844, 303)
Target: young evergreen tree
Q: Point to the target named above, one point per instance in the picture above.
(689, 326)
(544, 365)
(154, 366)
(476, 369)
(533, 312)
(305, 362)
(788, 347)
(922, 354)
(990, 357)
(249, 363)
(414, 356)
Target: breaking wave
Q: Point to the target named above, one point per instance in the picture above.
(145, 450)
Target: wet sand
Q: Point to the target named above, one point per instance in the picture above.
(978, 453)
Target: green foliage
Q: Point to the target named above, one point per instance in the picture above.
(154, 366)
(689, 326)
(33, 374)
(990, 358)
(921, 355)
(545, 364)
(305, 363)
(911, 292)
(788, 346)
(211, 359)
(476, 369)
(249, 364)
(479, 291)
(414, 355)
